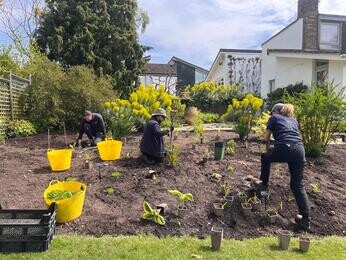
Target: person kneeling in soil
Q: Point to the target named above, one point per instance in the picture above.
(93, 125)
(152, 145)
(289, 148)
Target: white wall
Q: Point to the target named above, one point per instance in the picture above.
(169, 82)
(337, 73)
(220, 69)
(290, 38)
(293, 70)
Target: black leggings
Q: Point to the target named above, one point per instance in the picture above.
(294, 155)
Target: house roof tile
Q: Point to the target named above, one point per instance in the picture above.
(159, 69)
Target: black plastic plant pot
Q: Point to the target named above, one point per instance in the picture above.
(88, 165)
(229, 199)
(284, 239)
(246, 207)
(216, 238)
(256, 204)
(304, 244)
(182, 211)
(219, 151)
(272, 216)
(218, 209)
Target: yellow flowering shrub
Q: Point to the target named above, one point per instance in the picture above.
(261, 124)
(245, 113)
(206, 95)
(122, 115)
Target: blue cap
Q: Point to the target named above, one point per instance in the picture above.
(277, 107)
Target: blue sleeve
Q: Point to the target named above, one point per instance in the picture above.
(157, 130)
(271, 123)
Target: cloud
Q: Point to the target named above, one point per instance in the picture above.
(196, 29)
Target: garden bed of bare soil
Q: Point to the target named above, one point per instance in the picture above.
(25, 173)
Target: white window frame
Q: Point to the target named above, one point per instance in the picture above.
(330, 45)
(271, 85)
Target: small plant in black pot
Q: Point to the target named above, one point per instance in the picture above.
(272, 214)
(255, 203)
(88, 163)
(152, 214)
(219, 208)
(226, 190)
(182, 198)
(246, 208)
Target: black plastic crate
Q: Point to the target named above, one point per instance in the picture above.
(24, 230)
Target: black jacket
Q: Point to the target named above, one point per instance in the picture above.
(97, 125)
(152, 140)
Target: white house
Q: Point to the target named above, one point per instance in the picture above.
(160, 74)
(311, 49)
(234, 66)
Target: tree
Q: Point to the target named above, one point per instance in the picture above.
(101, 34)
(20, 19)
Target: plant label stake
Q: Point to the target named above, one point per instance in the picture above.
(100, 165)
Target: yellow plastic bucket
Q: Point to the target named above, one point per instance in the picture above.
(60, 160)
(67, 209)
(109, 150)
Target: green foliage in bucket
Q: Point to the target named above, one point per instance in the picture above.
(57, 195)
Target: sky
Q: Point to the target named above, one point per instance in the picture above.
(194, 30)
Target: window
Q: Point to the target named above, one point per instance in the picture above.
(199, 76)
(330, 36)
(271, 85)
(321, 72)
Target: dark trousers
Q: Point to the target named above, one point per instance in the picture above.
(294, 155)
(150, 159)
(91, 132)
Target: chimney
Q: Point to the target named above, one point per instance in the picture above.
(308, 10)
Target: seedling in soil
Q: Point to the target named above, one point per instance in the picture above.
(314, 187)
(218, 133)
(290, 199)
(153, 177)
(199, 131)
(173, 156)
(230, 169)
(272, 215)
(231, 146)
(255, 202)
(128, 155)
(182, 198)
(242, 196)
(152, 214)
(109, 191)
(216, 177)
(116, 175)
(280, 207)
(226, 188)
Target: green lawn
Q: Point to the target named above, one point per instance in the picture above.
(149, 247)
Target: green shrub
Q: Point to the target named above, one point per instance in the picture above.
(320, 113)
(208, 96)
(278, 95)
(18, 128)
(209, 117)
(57, 95)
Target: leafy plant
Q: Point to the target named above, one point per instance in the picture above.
(226, 188)
(216, 176)
(272, 211)
(173, 155)
(314, 187)
(199, 130)
(230, 147)
(152, 214)
(116, 175)
(206, 153)
(16, 128)
(182, 197)
(230, 169)
(208, 117)
(109, 191)
(71, 179)
(87, 156)
(245, 112)
(320, 112)
(261, 125)
(57, 195)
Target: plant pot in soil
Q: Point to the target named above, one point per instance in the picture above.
(284, 239)
(229, 199)
(246, 208)
(218, 209)
(304, 244)
(272, 216)
(219, 151)
(241, 196)
(256, 204)
(182, 211)
(216, 238)
(88, 165)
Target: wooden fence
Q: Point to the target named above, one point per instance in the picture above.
(11, 87)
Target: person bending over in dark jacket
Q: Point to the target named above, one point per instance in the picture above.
(288, 148)
(93, 125)
(152, 145)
